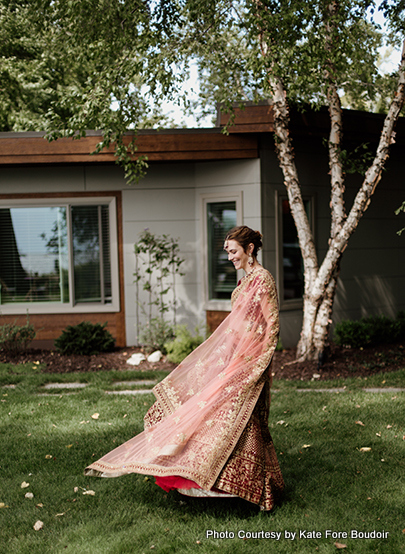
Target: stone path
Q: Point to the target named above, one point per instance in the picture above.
(139, 383)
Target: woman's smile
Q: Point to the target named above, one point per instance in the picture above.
(237, 255)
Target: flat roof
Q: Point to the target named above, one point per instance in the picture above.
(241, 142)
(167, 145)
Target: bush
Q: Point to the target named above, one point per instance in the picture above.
(156, 333)
(15, 338)
(370, 331)
(85, 338)
(183, 344)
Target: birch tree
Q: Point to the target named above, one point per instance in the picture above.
(307, 51)
(321, 276)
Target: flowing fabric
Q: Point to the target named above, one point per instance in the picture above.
(209, 424)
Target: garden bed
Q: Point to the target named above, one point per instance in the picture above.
(341, 362)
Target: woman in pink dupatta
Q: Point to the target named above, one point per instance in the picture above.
(207, 433)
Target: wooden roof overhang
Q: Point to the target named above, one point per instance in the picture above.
(158, 146)
(242, 142)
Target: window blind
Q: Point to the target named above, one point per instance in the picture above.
(33, 255)
(55, 254)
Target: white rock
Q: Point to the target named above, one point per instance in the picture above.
(136, 359)
(155, 356)
(29, 495)
(38, 525)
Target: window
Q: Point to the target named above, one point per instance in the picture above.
(91, 254)
(291, 270)
(58, 254)
(221, 217)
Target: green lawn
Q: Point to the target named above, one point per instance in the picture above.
(331, 485)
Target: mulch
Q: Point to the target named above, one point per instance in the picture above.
(340, 362)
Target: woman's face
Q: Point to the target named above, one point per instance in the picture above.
(237, 255)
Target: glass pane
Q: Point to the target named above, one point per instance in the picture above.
(91, 254)
(33, 255)
(293, 269)
(221, 217)
(105, 228)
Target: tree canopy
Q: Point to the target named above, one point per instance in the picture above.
(69, 66)
(108, 64)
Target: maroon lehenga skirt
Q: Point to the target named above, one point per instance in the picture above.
(252, 471)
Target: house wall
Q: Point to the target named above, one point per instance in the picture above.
(29, 183)
(167, 201)
(373, 267)
(313, 173)
(372, 276)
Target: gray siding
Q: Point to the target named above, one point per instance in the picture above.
(372, 277)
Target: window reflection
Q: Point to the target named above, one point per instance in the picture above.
(221, 217)
(33, 255)
(293, 268)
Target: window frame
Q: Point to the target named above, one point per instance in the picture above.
(69, 307)
(295, 303)
(216, 305)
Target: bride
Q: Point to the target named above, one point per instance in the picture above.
(207, 433)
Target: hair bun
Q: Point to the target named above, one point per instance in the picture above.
(244, 235)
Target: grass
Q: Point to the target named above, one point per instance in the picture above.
(331, 484)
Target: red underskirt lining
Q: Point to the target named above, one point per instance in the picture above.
(175, 482)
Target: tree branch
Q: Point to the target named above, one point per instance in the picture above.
(337, 205)
(371, 180)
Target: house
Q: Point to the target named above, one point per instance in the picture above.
(69, 222)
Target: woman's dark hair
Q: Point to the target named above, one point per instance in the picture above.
(245, 236)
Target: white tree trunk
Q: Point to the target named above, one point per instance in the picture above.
(321, 282)
(314, 334)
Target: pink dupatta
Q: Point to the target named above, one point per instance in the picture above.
(203, 406)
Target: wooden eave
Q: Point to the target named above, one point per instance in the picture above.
(167, 145)
(357, 125)
(253, 118)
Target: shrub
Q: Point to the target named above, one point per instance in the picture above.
(85, 338)
(370, 331)
(182, 345)
(156, 333)
(16, 338)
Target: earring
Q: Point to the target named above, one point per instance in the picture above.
(250, 260)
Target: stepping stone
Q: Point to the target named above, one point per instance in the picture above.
(143, 391)
(134, 383)
(65, 386)
(322, 390)
(57, 395)
(386, 389)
